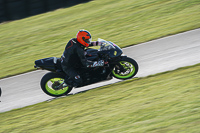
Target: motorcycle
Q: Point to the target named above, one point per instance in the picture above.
(119, 66)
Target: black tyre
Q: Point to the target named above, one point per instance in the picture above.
(51, 85)
(126, 69)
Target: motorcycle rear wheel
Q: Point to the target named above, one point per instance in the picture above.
(126, 69)
(50, 82)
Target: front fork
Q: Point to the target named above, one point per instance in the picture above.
(118, 65)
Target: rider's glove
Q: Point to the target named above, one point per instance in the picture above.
(97, 63)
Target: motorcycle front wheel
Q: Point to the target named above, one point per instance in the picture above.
(125, 69)
(52, 84)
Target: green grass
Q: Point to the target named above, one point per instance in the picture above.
(125, 22)
(166, 102)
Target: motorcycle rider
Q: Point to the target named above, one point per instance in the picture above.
(74, 54)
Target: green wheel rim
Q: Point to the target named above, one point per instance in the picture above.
(49, 88)
(130, 70)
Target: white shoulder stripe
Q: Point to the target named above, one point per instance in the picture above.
(73, 41)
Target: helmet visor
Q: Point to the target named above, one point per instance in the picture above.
(88, 40)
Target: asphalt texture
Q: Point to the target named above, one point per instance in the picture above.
(153, 57)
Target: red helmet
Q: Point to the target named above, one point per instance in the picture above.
(84, 37)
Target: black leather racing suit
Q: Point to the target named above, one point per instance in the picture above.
(73, 56)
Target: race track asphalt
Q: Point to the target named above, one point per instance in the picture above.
(153, 57)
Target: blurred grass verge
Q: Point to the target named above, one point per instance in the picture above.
(165, 102)
(125, 22)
